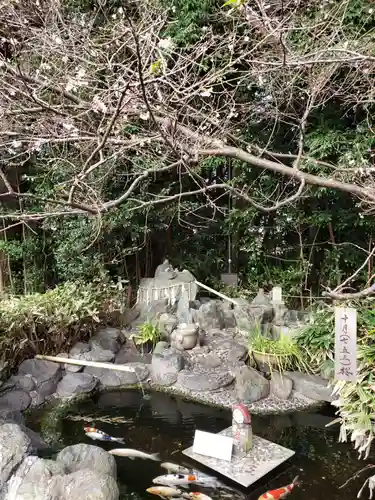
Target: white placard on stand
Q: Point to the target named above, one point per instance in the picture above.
(213, 445)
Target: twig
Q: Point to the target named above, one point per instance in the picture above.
(356, 475)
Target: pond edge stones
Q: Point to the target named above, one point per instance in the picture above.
(80, 471)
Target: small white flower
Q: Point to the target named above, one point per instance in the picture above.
(206, 92)
(81, 73)
(246, 39)
(98, 105)
(17, 144)
(144, 116)
(57, 40)
(370, 11)
(71, 85)
(165, 43)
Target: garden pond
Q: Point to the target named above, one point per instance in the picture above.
(165, 424)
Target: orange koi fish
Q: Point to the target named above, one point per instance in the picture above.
(280, 492)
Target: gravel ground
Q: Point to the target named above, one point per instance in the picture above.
(226, 398)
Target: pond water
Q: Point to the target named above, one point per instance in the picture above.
(165, 424)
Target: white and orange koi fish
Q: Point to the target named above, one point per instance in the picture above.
(280, 492)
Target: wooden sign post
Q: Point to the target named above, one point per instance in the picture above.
(345, 344)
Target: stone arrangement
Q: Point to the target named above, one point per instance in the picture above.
(203, 355)
(80, 471)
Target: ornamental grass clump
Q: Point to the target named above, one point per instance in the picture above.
(282, 354)
(51, 322)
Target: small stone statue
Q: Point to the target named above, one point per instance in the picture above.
(162, 268)
(241, 431)
(165, 271)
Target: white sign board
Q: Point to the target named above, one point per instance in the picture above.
(213, 445)
(277, 294)
(345, 344)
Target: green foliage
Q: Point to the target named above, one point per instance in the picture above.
(147, 334)
(282, 354)
(317, 339)
(188, 18)
(355, 400)
(50, 322)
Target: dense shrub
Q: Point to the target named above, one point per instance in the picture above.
(50, 322)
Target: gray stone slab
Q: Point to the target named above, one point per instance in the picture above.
(263, 457)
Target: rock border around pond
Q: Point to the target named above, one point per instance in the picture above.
(80, 471)
(214, 374)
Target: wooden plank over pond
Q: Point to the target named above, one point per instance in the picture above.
(262, 459)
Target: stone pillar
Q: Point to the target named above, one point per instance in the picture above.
(279, 311)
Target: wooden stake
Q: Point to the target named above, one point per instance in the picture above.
(219, 294)
(81, 362)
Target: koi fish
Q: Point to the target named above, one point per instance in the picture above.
(184, 480)
(196, 495)
(280, 492)
(164, 491)
(133, 454)
(174, 468)
(97, 435)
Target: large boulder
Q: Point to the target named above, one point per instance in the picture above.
(16, 400)
(165, 366)
(75, 352)
(23, 382)
(97, 354)
(32, 480)
(117, 379)
(206, 360)
(251, 315)
(210, 315)
(78, 349)
(45, 375)
(151, 312)
(38, 479)
(14, 447)
(107, 339)
(84, 484)
(167, 323)
(229, 350)
(129, 354)
(251, 386)
(86, 456)
(311, 386)
(74, 384)
(280, 386)
(205, 380)
(10, 416)
(228, 314)
(91, 352)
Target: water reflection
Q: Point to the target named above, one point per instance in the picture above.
(166, 424)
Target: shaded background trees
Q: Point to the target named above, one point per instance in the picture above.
(94, 99)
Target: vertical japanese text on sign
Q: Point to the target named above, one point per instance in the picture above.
(345, 343)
